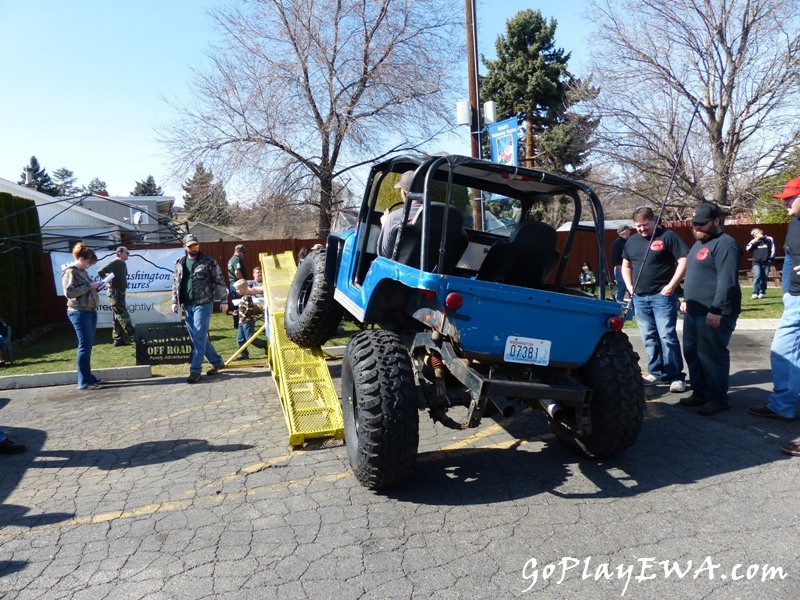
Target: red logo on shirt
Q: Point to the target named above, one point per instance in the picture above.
(703, 254)
(657, 246)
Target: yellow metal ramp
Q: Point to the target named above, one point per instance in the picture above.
(310, 403)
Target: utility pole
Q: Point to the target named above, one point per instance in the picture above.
(474, 103)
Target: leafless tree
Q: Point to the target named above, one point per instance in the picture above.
(736, 61)
(307, 90)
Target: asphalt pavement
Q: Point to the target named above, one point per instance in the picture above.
(157, 489)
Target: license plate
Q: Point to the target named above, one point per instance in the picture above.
(529, 351)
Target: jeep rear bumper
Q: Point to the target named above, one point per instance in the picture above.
(566, 391)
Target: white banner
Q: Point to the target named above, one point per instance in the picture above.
(149, 292)
(144, 307)
(148, 270)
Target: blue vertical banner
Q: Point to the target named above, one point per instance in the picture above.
(504, 141)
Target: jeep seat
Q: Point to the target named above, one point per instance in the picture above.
(410, 246)
(525, 260)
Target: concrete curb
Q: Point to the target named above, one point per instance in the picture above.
(16, 382)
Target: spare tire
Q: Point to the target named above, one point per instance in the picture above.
(312, 315)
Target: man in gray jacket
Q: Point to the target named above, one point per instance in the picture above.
(197, 283)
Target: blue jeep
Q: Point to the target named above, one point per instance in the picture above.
(468, 316)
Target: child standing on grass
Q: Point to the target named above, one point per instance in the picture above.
(249, 311)
(587, 278)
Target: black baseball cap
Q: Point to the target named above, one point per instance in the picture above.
(705, 213)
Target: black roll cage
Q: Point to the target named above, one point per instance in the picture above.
(496, 178)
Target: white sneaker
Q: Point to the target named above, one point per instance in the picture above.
(761, 296)
(753, 296)
(677, 386)
(649, 379)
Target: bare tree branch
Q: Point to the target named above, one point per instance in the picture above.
(739, 60)
(315, 88)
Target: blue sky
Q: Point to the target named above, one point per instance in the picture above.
(85, 82)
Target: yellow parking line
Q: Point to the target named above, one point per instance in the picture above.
(193, 497)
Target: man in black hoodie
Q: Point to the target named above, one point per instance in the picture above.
(713, 301)
(763, 249)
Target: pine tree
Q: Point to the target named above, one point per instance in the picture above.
(64, 181)
(41, 180)
(204, 199)
(95, 185)
(147, 187)
(529, 80)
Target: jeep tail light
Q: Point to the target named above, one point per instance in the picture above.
(454, 301)
(616, 323)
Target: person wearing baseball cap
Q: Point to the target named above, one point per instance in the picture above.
(236, 271)
(789, 192)
(623, 233)
(391, 222)
(785, 352)
(711, 306)
(197, 283)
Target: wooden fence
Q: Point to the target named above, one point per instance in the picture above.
(583, 248)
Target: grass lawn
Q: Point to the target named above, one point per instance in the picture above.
(770, 307)
(55, 350)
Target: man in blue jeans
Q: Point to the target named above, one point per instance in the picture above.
(712, 306)
(785, 352)
(197, 283)
(623, 233)
(653, 264)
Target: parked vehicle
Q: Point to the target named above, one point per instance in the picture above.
(461, 317)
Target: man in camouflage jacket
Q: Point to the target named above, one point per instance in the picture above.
(197, 283)
(122, 332)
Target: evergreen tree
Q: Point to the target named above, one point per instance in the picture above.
(41, 179)
(64, 181)
(147, 187)
(95, 185)
(529, 80)
(204, 199)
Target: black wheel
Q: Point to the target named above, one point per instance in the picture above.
(617, 409)
(312, 315)
(379, 406)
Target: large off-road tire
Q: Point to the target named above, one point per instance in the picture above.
(379, 406)
(617, 409)
(312, 315)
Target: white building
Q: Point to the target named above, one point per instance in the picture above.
(99, 221)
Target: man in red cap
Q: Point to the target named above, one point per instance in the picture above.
(785, 353)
